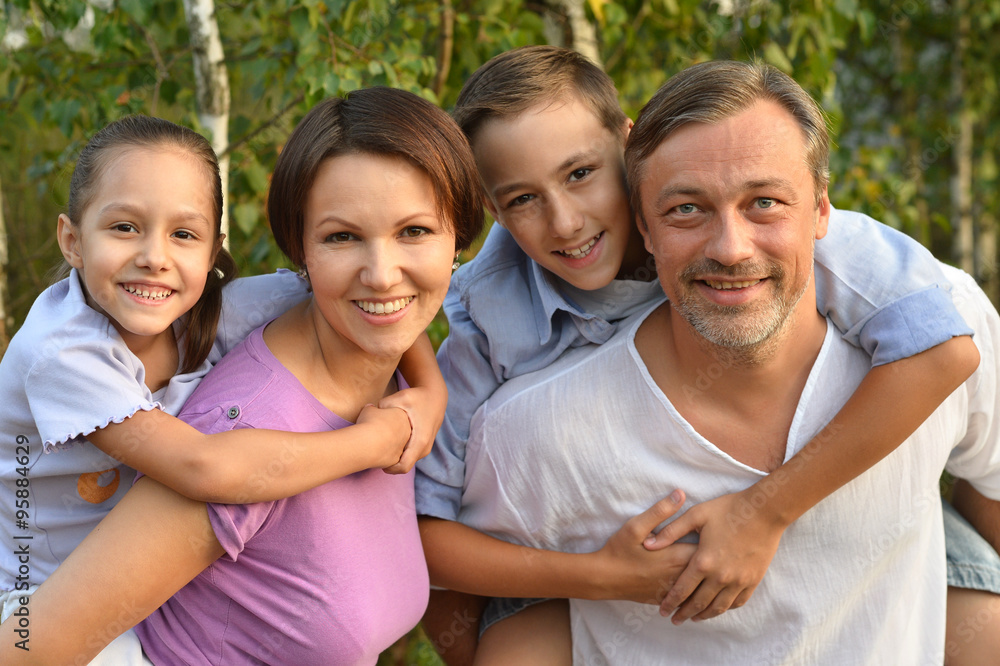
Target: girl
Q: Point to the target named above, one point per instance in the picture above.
(372, 195)
(108, 354)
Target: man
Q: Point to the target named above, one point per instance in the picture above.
(718, 387)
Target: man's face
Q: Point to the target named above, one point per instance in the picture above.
(731, 218)
(555, 178)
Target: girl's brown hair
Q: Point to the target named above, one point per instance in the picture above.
(146, 132)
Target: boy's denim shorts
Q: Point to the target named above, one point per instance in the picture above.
(972, 562)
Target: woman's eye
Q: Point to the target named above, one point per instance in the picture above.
(339, 237)
(579, 174)
(415, 232)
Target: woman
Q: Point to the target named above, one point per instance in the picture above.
(371, 197)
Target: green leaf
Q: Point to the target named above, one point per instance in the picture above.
(246, 216)
(775, 56)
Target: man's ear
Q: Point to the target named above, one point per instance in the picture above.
(823, 214)
(68, 235)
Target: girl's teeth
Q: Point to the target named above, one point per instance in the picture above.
(152, 295)
(384, 308)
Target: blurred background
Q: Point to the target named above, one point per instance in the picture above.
(910, 88)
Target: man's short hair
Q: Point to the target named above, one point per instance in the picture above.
(516, 80)
(713, 91)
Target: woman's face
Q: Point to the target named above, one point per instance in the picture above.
(378, 253)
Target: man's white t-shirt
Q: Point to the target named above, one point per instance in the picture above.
(561, 458)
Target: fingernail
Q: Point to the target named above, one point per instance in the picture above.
(649, 541)
(676, 496)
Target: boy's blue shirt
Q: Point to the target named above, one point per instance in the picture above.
(508, 316)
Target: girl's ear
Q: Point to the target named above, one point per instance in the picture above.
(69, 241)
(218, 246)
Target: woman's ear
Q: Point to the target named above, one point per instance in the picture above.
(68, 235)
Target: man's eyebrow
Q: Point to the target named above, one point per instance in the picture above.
(750, 185)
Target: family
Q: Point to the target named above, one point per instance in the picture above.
(678, 385)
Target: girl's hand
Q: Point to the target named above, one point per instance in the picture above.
(425, 409)
(628, 571)
(737, 541)
(391, 428)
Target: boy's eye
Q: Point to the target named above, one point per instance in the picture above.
(521, 200)
(579, 174)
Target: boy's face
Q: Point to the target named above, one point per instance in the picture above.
(555, 178)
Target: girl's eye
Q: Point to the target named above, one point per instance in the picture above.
(184, 235)
(415, 232)
(765, 202)
(579, 174)
(339, 237)
(124, 227)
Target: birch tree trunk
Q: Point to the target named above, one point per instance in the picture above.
(961, 181)
(4, 315)
(566, 24)
(212, 85)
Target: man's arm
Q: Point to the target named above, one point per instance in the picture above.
(123, 571)
(463, 559)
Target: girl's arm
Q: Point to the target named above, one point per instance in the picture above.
(424, 402)
(739, 533)
(249, 465)
(123, 571)
(463, 559)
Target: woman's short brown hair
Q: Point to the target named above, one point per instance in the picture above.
(376, 121)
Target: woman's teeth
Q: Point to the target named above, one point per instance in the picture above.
(384, 308)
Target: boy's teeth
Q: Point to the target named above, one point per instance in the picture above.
(384, 308)
(731, 285)
(145, 293)
(581, 251)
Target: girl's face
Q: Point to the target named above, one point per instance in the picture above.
(378, 252)
(147, 240)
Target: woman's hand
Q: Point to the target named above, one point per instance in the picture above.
(628, 571)
(391, 432)
(425, 409)
(737, 541)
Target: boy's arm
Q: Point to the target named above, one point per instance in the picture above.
(739, 533)
(123, 571)
(982, 512)
(424, 402)
(463, 559)
(248, 465)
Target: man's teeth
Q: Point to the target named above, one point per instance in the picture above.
(145, 293)
(384, 308)
(581, 251)
(731, 285)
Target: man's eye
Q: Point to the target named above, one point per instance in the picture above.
(686, 209)
(765, 202)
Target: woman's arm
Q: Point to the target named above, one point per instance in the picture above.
(248, 465)
(463, 559)
(150, 545)
(739, 533)
(424, 402)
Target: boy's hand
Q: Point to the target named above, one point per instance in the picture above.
(392, 432)
(737, 541)
(627, 571)
(425, 409)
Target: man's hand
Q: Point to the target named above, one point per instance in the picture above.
(628, 571)
(737, 541)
